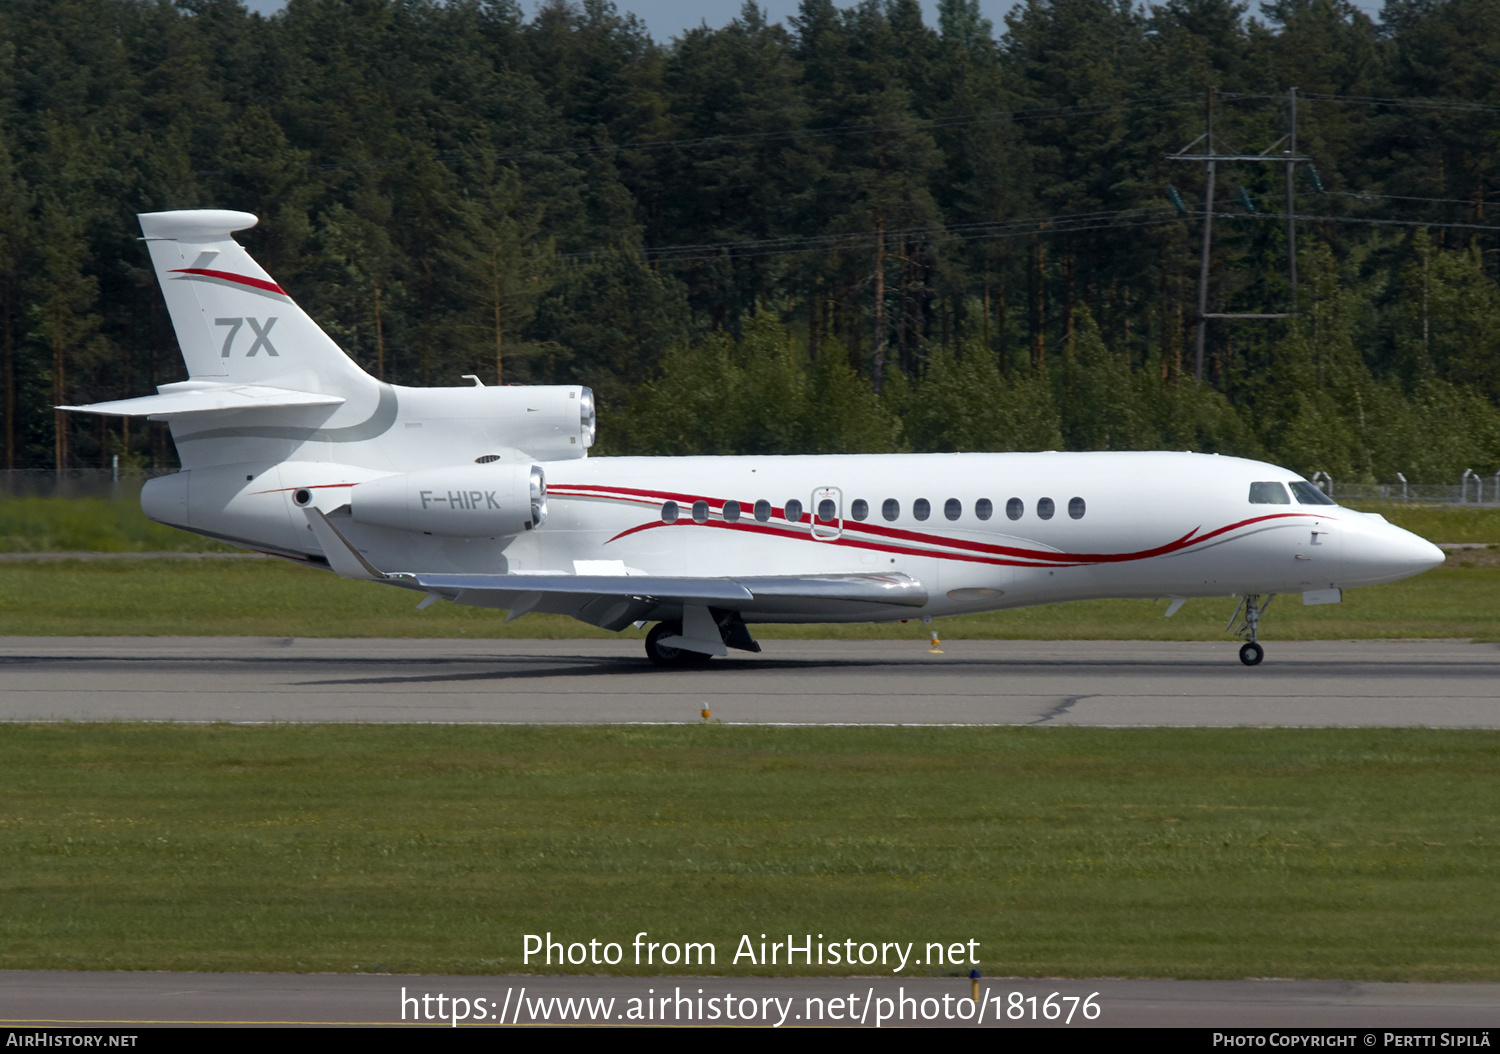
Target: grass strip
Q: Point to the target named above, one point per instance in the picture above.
(1360, 854)
(102, 525)
(275, 599)
(1442, 524)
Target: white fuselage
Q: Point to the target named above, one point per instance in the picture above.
(486, 495)
(1121, 525)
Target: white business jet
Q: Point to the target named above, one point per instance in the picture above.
(486, 496)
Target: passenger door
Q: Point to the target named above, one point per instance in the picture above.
(827, 514)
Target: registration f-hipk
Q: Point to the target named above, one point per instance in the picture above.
(486, 496)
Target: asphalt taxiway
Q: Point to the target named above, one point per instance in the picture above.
(73, 999)
(1445, 684)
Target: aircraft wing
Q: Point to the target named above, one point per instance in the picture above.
(207, 399)
(702, 590)
(614, 601)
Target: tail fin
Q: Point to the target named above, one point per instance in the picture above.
(234, 323)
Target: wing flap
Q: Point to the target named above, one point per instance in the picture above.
(885, 588)
(632, 594)
(646, 587)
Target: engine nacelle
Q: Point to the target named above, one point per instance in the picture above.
(546, 422)
(465, 501)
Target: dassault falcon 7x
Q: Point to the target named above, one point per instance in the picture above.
(486, 496)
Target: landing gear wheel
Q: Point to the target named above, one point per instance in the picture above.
(1253, 607)
(666, 655)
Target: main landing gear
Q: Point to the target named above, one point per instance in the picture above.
(703, 633)
(1251, 606)
(666, 655)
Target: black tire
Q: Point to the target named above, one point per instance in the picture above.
(662, 655)
(1252, 653)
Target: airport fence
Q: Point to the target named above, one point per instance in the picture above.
(112, 482)
(1471, 489)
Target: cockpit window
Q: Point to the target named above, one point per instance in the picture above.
(1268, 494)
(1307, 494)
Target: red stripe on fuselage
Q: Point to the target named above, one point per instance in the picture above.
(851, 543)
(983, 552)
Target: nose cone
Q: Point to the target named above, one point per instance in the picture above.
(1428, 555)
(1380, 552)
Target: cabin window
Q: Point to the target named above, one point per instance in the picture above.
(984, 508)
(1045, 507)
(731, 512)
(700, 512)
(1014, 508)
(1076, 508)
(763, 510)
(669, 512)
(826, 510)
(1308, 494)
(859, 509)
(1268, 494)
(953, 508)
(921, 508)
(891, 509)
(793, 511)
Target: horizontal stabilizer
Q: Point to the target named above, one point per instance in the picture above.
(207, 399)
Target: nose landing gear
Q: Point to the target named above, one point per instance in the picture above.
(1251, 653)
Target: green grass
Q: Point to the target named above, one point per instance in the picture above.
(49, 525)
(1360, 854)
(1442, 524)
(275, 599)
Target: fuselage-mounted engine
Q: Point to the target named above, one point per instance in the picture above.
(465, 501)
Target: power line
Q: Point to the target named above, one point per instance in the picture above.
(1370, 221)
(1061, 223)
(1399, 197)
(1418, 104)
(940, 236)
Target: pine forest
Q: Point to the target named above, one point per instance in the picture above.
(852, 231)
